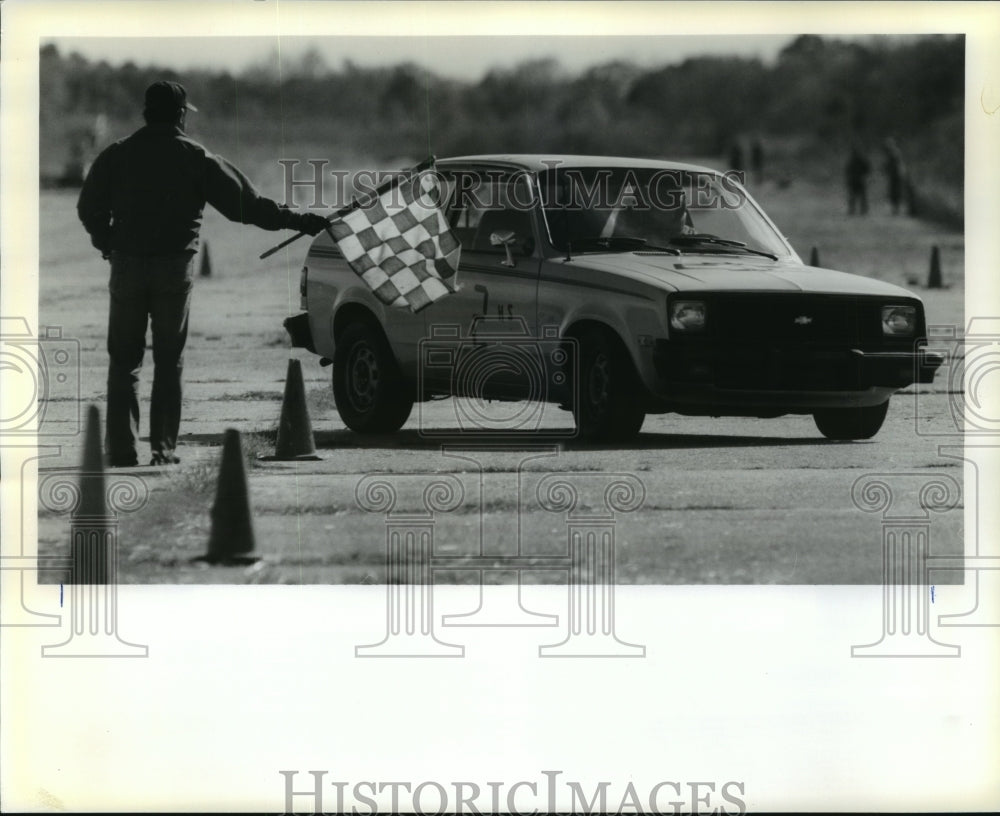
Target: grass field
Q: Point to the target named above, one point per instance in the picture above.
(235, 369)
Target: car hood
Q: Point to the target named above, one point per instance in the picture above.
(719, 272)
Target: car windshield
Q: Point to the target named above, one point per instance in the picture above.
(623, 209)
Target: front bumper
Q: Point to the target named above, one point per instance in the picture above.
(888, 365)
(785, 377)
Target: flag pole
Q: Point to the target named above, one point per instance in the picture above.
(424, 165)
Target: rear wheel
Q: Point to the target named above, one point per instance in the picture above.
(370, 393)
(606, 403)
(851, 423)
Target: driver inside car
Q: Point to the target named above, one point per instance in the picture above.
(639, 216)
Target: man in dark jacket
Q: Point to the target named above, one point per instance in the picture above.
(142, 205)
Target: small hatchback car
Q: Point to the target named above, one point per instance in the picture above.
(616, 288)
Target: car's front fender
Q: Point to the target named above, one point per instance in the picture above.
(634, 312)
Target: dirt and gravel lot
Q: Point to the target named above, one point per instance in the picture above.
(727, 500)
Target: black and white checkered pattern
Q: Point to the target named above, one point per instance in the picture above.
(400, 244)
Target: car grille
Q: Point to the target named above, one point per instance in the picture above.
(843, 321)
(781, 342)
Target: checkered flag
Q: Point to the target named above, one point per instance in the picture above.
(400, 244)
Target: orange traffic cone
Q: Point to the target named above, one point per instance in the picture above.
(205, 262)
(934, 276)
(295, 435)
(232, 538)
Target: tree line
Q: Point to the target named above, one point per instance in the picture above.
(818, 96)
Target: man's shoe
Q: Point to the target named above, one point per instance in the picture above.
(164, 459)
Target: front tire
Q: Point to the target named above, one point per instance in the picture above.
(606, 401)
(851, 423)
(368, 388)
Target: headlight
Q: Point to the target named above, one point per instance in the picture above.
(899, 320)
(687, 315)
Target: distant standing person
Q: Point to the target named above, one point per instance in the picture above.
(142, 205)
(895, 173)
(757, 161)
(856, 175)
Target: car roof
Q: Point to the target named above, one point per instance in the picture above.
(538, 162)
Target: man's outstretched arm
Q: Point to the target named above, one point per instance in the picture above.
(233, 195)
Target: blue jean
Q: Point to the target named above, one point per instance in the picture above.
(156, 289)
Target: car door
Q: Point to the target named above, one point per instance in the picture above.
(493, 313)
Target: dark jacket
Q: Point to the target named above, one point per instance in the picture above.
(145, 194)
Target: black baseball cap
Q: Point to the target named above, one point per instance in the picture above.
(163, 95)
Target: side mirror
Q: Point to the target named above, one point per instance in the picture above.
(504, 238)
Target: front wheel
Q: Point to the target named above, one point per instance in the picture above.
(606, 404)
(851, 423)
(370, 393)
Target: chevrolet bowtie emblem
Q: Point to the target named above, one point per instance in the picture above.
(803, 320)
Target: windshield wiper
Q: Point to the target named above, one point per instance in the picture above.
(715, 240)
(658, 248)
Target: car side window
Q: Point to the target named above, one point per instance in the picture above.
(489, 206)
(463, 221)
